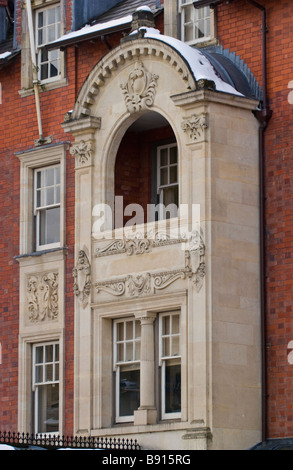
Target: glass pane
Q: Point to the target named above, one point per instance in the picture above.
(50, 196)
(188, 14)
(44, 58)
(166, 347)
(57, 175)
(49, 226)
(39, 355)
(56, 352)
(40, 19)
(173, 155)
(129, 393)
(166, 325)
(163, 176)
(120, 331)
(129, 351)
(56, 372)
(51, 33)
(175, 324)
(137, 350)
(175, 346)
(51, 15)
(163, 157)
(173, 174)
(49, 373)
(199, 29)
(40, 37)
(44, 71)
(189, 34)
(47, 408)
(49, 353)
(49, 177)
(120, 352)
(39, 374)
(173, 388)
(129, 330)
(170, 196)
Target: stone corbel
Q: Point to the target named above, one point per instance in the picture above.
(195, 127)
(83, 152)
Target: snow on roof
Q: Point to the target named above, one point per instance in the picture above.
(88, 29)
(4, 55)
(199, 64)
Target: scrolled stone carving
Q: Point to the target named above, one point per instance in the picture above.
(138, 285)
(82, 278)
(42, 297)
(83, 152)
(195, 126)
(140, 89)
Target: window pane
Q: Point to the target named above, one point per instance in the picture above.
(39, 374)
(129, 351)
(166, 325)
(173, 155)
(120, 352)
(44, 71)
(164, 176)
(175, 346)
(129, 329)
(40, 19)
(173, 388)
(175, 324)
(166, 347)
(137, 350)
(47, 408)
(170, 196)
(49, 373)
(39, 355)
(137, 329)
(163, 157)
(49, 226)
(129, 393)
(173, 174)
(49, 353)
(120, 331)
(50, 196)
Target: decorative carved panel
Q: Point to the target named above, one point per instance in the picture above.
(140, 89)
(82, 278)
(42, 297)
(83, 153)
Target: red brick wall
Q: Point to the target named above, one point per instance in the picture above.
(18, 130)
(239, 30)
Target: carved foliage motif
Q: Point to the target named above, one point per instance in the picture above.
(195, 126)
(42, 297)
(82, 278)
(149, 283)
(140, 88)
(83, 152)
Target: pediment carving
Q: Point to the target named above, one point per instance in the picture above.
(140, 89)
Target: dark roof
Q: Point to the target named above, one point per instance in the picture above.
(274, 444)
(128, 7)
(121, 11)
(7, 46)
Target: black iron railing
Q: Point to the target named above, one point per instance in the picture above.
(52, 442)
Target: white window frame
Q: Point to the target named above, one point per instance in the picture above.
(188, 4)
(164, 360)
(123, 364)
(38, 210)
(162, 187)
(30, 161)
(40, 45)
(37, 385)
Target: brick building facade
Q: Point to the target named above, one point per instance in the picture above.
(235, 318)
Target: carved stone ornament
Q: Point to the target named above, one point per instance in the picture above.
(82, 278)
(148, 283)
(195, 126)
(138, 245)
(42, 297)
(83, 152)
(140, 89)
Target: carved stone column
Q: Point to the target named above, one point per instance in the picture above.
(147, 413)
